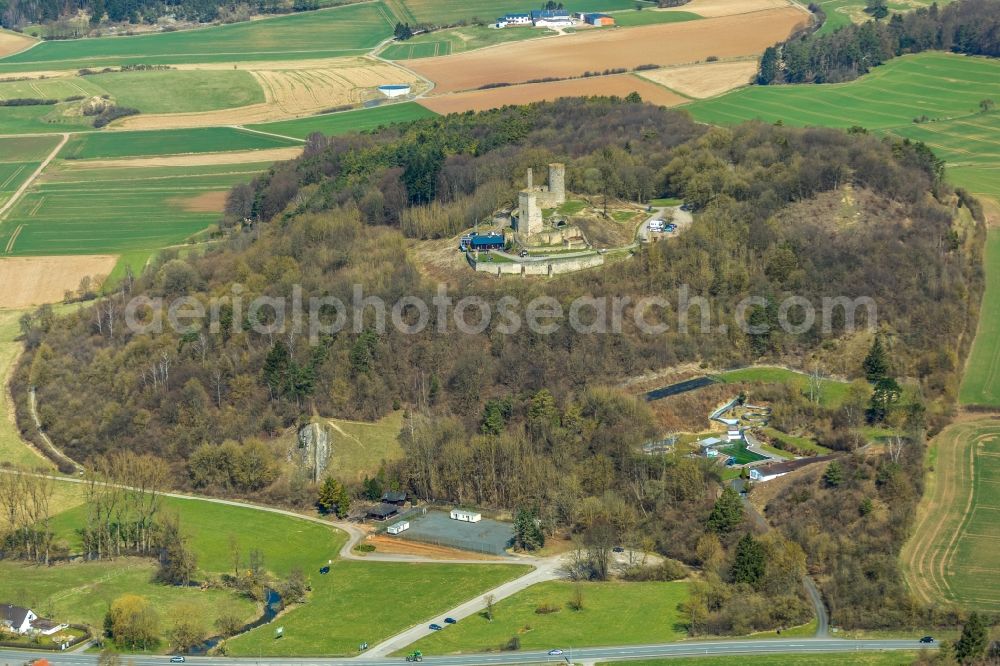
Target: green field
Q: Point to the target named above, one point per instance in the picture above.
(613, 614)
(144, 143)
(19, 158)
(348, 30)
(108, 210)
(457, 40)
(951, 557)
(852, 659)
(285, 542)
(82, 592)
(651, 17)
(368, 602)
(349, 121)
(981, 380)
(943, 87)
(832, 393)
(43, 119)
(800, 443)
(444, 12)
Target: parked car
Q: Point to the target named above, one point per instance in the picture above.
(555, 652)
(522, 253)
(687, 207)
(177, 659)
(618, 549)
(436, 627)
(671, 227)
(927, 639)
(324, 570)
(450, 620)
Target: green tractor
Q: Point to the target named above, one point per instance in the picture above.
(416, 655)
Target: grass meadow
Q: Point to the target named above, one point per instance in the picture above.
(613, 614)
(349, 121)
(63, 117)
(368, 602)
(13, 450)
(832, 393)
(82, 592)
(361, 448)
(843, 12)
(116, 209)
(149, 143)
(348, 30)
(164, 91)
(285, 542)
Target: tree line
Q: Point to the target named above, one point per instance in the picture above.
(971, 27)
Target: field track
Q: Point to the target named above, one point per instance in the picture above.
(661, 44)
(27, 183)
(951, 556)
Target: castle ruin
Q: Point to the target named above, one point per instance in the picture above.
(531, 200)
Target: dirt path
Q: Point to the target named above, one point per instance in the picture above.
(26, 184)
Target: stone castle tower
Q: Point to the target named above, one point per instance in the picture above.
(531, 200)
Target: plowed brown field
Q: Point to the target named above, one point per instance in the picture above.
(31, 281)
(661, 44)
(621, 85)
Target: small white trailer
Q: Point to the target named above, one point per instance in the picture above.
(401, 526)
(466, 516)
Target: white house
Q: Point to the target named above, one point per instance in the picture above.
(391, 91)
(514, 19)
(733, 435)
(16, 618)
(401, 526)
(466, 516)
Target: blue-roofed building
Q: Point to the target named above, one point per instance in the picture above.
(491, 241)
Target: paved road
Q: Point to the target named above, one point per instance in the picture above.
(589, 655)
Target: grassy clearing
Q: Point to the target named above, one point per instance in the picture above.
(370, 601)
(82, 592)
(981, 381)
(360, 448)
(444, 12)
(285, 542)
(945, 88)
(858, 658)
(952, 554)
(613, 614)
(651, 17)
(109, 145)
(843, 12)
(832, 393)
(349, 121)
(799, 443)
(109, 210)
(457, 40)
(348, 30)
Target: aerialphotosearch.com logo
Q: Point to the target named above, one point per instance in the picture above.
(650, 315)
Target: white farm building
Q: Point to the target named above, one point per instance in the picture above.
(466, 516)
(391, 91)
(396, 528)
